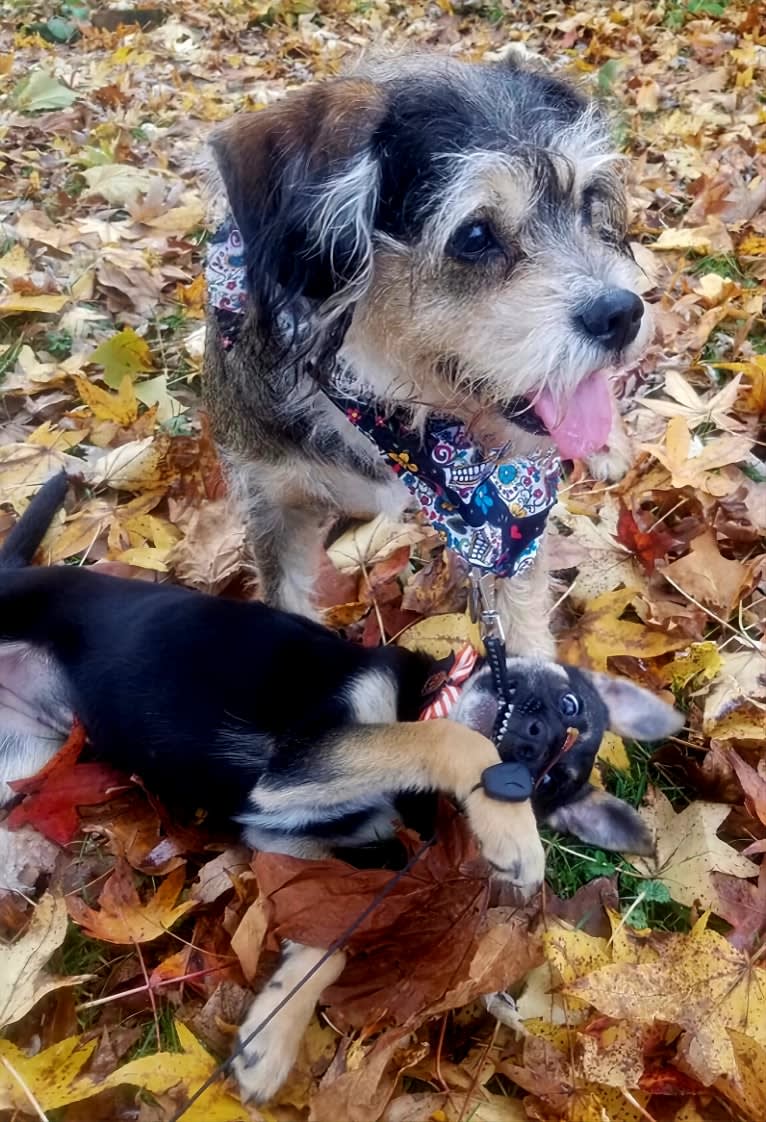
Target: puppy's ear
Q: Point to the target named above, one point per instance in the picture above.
(598, 818)
(634, 711)
(302, 184)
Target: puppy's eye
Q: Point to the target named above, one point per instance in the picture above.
(569, 705)
(473, 241)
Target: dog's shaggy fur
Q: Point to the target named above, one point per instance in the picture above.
(454, 236)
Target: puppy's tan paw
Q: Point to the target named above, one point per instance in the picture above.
(265, 1064)
(507, 834)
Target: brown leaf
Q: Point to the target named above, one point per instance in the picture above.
(710, 578)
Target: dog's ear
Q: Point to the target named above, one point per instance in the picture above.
(601, 819)
(302, 184)
(634, 711)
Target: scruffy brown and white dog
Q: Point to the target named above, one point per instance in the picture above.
(451, 235)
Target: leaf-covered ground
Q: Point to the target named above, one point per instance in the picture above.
(643, 985)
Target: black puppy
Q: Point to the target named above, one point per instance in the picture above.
(305, 739)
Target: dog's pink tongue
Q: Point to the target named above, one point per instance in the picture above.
(584, 425)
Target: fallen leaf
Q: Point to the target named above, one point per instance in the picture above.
(647, 545)
(212, 550)
(181, 1074)
(364, 546)
(694, 463)
(743, 905)
(122, 916)
(120, 407)
(47, 302)
(23, 978)
(220, 874)
(138, 466)
(688, 850)
(25, 467)
(601, 634)
(699, 663)
(735, 707)
(441, 635)
(700, 983)
(715, 581)
(124, 353)
(40, 90)
(51, 1076)
(119, 184)
(247, 940)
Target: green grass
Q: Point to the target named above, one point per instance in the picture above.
(570, 864)
(146, 1045)
(723, 265)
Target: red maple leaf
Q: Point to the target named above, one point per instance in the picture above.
(55, 792)
(647, 546)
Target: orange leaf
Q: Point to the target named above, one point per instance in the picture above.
(123, 917)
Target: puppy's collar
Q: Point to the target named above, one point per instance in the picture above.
(491, 513)
(446, 689)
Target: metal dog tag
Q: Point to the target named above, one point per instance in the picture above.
(507, 782)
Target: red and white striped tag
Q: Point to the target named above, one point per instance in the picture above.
(444, 702)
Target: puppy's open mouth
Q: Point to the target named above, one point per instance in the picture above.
(579, 426)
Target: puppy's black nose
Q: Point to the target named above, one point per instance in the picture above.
(613, 318)
(533, 729)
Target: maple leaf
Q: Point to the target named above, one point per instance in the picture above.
(709, 577)
(124, 353)
(51, 1076)
(123, 918)
(180, 1074)
(24, 979)
(735, 707)
(694, 463)
(743, 905)
(690, 405)
(63, 784)
(700, 983)
(648, 545)
(601, 634)
(688, 850)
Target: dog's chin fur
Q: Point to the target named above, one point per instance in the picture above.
(359, 202)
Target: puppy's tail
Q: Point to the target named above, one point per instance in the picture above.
(21, 544)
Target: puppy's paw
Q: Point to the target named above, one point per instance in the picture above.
(507, 834)
(610, 465)
(266, 1062)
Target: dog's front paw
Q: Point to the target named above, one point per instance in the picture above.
(264, 1064)
(507, 834)
(610, 465)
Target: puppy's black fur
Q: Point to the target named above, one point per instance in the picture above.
(256, 714)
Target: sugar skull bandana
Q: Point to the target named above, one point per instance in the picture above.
(492, 513)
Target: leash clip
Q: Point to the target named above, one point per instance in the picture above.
(481, 602)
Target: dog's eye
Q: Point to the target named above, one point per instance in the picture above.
(569, 705)
(472, 241)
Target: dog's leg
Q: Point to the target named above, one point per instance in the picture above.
(286, 546)
(265, 1064)
(524, 605)
(614, 461)
(358, 763)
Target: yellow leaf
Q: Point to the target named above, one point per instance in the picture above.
(179, 220)
(51, 1076)
(439, 636)
(61, 440)
(120, 407)
(700, 983)
(25, 467)
(374, 541)
(696, 239)
(692, 463)
(736, 704)
(139, 465)
(145, 557)
(612, 752)
(700, 661)
(688, 850)
(15, 263)
(746, 1086)
(125, 353)
(15, 303)
(78, 533)
(23, 978)
(600, 634)
(752, 245)
(182, 1073)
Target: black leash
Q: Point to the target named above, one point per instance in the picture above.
(510, 780)
(337, 945)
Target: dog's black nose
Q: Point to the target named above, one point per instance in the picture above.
(534, 730)
(613, 318)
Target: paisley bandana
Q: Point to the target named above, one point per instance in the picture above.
(491, 513)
